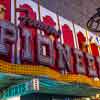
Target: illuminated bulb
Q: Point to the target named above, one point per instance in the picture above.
(97, 95)
(2, 12)
(96, 79)
(18, 48)
(14, 98)
(92, 97)
(51, 37)
(87, 98)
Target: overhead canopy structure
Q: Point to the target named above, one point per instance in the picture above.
(49, 86)
(72, 89)
(8, 80)
(50, 82)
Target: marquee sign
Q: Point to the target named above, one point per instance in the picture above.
(57, 56)
(26, 40)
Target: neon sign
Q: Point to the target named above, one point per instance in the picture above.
(57, 56)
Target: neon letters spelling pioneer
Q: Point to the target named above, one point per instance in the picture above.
(57, 56)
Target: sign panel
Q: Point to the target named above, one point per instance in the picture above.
(41, 38)
(36, 84)
(18, 90)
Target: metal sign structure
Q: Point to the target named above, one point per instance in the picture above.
(93, 23)
(18, 90)
(35, 45)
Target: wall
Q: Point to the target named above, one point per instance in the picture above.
(78, 11)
